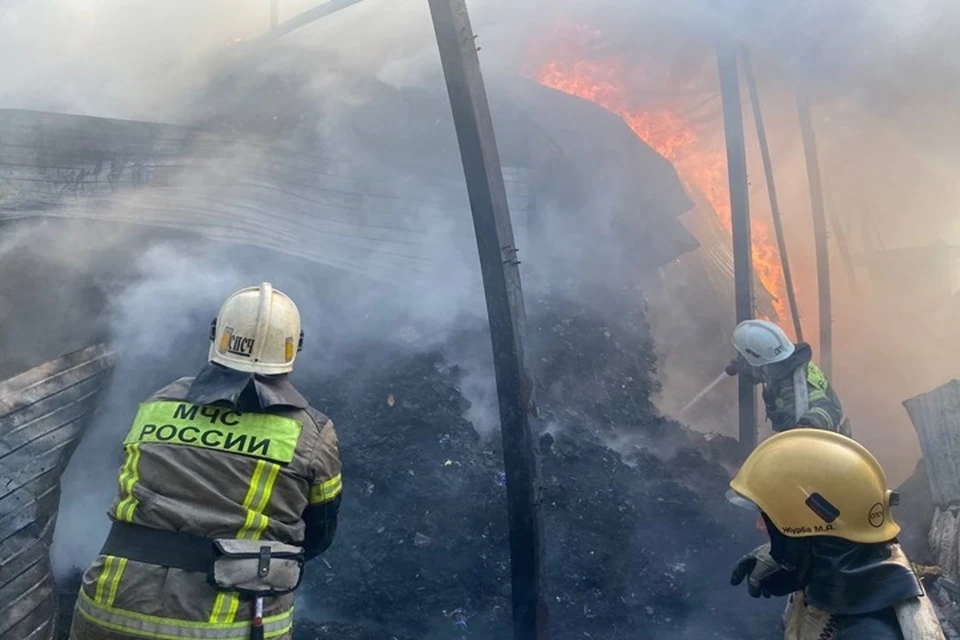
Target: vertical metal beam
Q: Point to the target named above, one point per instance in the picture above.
(819, 233)
(740, 222)
(501, 282)
(772, 192)
(840, 236)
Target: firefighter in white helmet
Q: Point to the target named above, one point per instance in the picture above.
(825, 505)
(231, 482)
(795, 391)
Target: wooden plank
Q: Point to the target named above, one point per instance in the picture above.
(47, 416)
(29, 504)
(22, 598)
(52, 377)
(43, 413)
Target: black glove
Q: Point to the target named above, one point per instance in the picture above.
(767, 577)
(734, 367)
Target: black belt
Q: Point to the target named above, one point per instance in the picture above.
(174, 549)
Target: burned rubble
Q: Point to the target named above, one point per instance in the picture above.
(639, 539)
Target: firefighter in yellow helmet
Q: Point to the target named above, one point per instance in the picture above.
(231, 482)
(826, 508)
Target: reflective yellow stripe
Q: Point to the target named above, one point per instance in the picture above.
(128, 479)
(253, 491)
(828, 419)
(146, 626)
(816, 395)
(816, 378)
(115, 582)
(234, 606)
(327, 491)
(218, 615)
(267, 491)
(105, 574)
(262, 481)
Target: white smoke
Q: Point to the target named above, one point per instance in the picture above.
(881, 64)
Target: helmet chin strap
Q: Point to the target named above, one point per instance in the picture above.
(792, 553)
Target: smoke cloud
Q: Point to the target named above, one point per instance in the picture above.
(882, 78)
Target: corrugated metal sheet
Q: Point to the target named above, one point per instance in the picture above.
(275, 196)
(43, 413)
(712, 264)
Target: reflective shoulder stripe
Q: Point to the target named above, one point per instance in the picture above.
(815, 377)
(259, 435)
(145, 626)
(262, 481)
(326, 491)
(129, 475)
(825, 417)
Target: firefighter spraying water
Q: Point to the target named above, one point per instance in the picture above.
(795, 390)
(231, 482)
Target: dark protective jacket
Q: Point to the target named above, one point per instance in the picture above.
(224, 455)
(823, 411)
(854, 592)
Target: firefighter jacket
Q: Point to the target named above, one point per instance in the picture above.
(224, 455)
(860, 592)
(913, 619)
(823, 410)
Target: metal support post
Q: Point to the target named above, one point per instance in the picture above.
(740, 223)
(772, 192)
(819, 234)
(501, 282)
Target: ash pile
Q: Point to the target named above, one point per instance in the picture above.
(637, 530)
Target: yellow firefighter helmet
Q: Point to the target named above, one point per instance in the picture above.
(811, 482)
(257, 330)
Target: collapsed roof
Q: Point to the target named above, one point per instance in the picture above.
(377, 189)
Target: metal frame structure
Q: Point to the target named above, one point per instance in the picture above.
(740, 220)
(500, 269)
(819, 233)
(751, 79)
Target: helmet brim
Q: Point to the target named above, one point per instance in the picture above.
(738, 500)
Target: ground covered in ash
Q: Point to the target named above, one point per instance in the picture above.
(640, 540)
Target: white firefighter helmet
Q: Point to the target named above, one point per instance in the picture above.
(257, 330)
(762, 342)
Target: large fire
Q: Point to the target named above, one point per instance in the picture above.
(701, 165)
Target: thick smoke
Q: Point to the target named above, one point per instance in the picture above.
(882, 78)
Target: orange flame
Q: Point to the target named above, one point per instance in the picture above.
(699, 164)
